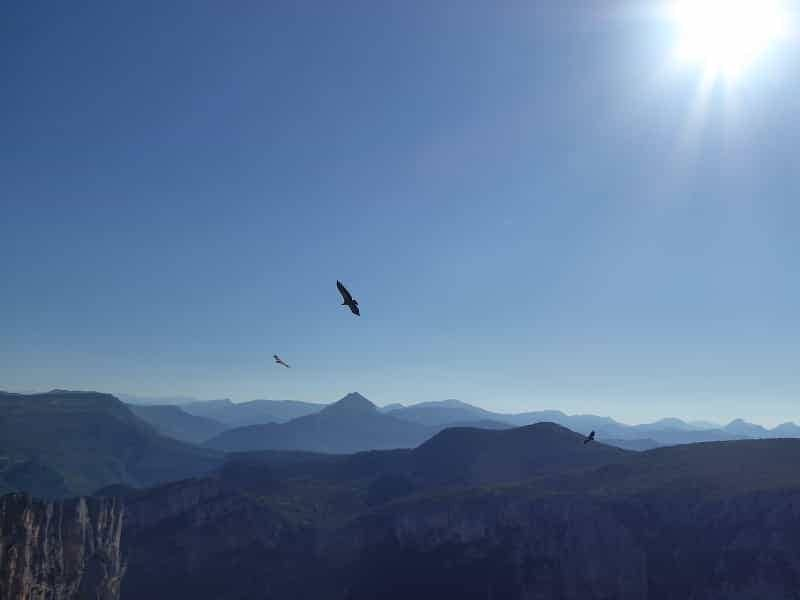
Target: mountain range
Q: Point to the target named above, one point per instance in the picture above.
(254, 412)
(447, 413)
(349, 425)
(64, 443)
(529, 512)
(175, 422)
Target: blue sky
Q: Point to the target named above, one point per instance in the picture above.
(526, 198)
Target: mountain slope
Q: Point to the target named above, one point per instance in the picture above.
(62, 443)
(349, 425)
(254, 412)
(442, 413)
(786, 430)
(176, 423)
(704, 521)
(455, 456)
(741, 427)
(477, 456)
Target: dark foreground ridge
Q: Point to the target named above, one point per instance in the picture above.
(563, 521)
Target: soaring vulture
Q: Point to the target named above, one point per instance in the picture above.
(348, 299)
(280, 361)
(589, 438)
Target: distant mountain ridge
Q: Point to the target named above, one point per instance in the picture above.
(349, 425)
(664, 432)
(63, 443)
(176, 423)
(253, 412)
(438, 414)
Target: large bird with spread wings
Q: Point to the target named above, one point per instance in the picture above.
(280, 361)
(347, 299)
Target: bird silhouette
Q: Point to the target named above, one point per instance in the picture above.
(589, 438)
(348, 299)
(280, 361)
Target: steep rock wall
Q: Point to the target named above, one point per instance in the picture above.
(60, 550)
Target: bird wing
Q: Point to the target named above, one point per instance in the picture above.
(345, 294)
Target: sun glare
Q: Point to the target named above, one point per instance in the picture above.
(725, 37)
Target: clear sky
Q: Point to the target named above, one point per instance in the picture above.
(535, 204)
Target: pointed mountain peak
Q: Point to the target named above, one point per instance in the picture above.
(352, 402)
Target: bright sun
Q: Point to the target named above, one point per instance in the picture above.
(726, 36)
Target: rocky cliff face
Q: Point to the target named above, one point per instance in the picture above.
(493, 546)
(237, 537)
(60, 550)
(480, 544)
(567, 547)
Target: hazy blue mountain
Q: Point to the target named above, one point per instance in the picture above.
(63, 442)
(212, 409)
(672, 437)
(743, 428)
(788, 429)
(391, 407)
(148, 400)
(666, 423)
(174, 422)
(580, 423)
(254, 412)
(349, 425)
(705, 425)
(449, 412)
(443, 413)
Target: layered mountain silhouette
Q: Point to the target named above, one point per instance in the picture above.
(664, 432)
(63, 442)
(349, 425)
(176, 423)
(515, 514)
(450, 413)
(254, 412)
(454, 456)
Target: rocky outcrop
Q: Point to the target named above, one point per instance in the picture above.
(60, 550)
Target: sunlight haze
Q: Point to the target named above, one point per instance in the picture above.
(536, 205)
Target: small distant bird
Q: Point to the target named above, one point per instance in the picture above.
(589, 438)
(348, 299)
(280, 361)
